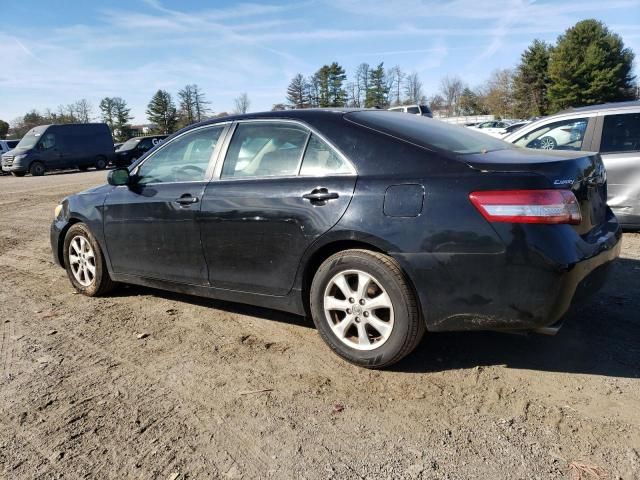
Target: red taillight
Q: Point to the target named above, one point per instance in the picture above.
(528, 206)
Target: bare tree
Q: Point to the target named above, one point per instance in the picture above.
(499, 93)
(361, 84)
(83, 111)
(242, 103)
(395, 76)
(451, 88)
(413, 88)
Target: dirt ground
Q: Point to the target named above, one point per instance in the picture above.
(219, 390)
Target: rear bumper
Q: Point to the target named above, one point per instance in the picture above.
(523, 288)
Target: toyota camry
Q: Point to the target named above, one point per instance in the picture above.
(378, 226)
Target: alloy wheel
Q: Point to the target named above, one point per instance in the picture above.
(358, 310)
(82, 260)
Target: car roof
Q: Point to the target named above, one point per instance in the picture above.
(303, 114)
(602, 106)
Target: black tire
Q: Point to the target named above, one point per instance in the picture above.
(18, 174)
(408, 325)
(101, 163)
(37, 169)
(101, 283)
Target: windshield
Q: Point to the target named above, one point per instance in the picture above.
(30, 139)
(429, 133)
(132, 142)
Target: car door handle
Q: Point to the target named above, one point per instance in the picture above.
(187, 199)
(320, 195)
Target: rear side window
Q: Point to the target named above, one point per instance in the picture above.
(265, 150)
(621, 133)
(562, 135)
(321, 159)
(413, 110)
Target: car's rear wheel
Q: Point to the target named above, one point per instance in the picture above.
(548, 143)
(364, 308)
(18, 174)
(37, 169)
(101, 163)
(85, 263)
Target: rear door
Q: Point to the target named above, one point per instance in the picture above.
(151, 227)
(280, 187)
(619, 144)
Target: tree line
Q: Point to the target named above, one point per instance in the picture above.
(588, 65)
(163, 113)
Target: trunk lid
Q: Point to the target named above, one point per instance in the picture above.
(581, 172)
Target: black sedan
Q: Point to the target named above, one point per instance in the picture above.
(378, 226)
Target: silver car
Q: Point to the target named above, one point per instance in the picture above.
(613, 129)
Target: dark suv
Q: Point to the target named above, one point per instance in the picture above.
(135, 147)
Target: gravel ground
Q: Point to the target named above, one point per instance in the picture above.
(220, 390)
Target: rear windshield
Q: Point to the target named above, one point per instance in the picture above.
(132, 142)
(429, 133)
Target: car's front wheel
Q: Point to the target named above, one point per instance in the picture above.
(85, 263)
(364, 308)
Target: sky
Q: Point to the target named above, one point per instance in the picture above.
(55, 52)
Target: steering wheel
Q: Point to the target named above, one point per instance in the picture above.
(187, 169)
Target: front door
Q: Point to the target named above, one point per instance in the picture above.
(151, 228)
(280, 188)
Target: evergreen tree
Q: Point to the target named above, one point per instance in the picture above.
(107, 112)
(589, 65)
(329, 81)
(298, 92)
(378, 91)
(471, 103)
(161, 111)
(531, 80)
(4, 129)
(122, 115)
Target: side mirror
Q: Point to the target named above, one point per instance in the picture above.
(119, 176)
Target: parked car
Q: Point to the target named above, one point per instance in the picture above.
(613, 130)
(513, 127)
(493, 128)
(54, 147)
(422, 110)
(6, 145)
(379, 226)
(135, 147)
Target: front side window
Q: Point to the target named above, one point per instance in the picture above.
(265, 150)
(184, 159)
(562, 135)
(320, 159)
(48, 141)
(621, 133)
